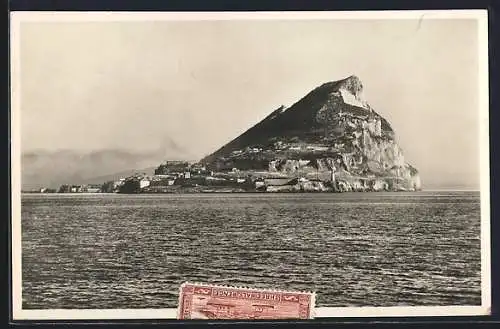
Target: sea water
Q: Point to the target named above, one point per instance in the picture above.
(353, 249)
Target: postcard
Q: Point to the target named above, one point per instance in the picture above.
(283, 164)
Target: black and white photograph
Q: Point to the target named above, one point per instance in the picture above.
(340, 153)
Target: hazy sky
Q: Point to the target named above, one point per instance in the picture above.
(143, 86)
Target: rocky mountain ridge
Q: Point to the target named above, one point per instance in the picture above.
(331, 135)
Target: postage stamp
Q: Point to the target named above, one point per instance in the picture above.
(205, 301)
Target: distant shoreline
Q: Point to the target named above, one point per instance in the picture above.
(254, 192)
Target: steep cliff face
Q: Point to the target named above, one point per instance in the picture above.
(332, 134)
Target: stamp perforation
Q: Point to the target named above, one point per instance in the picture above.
(247, 288)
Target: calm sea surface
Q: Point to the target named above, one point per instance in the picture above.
(353, 249)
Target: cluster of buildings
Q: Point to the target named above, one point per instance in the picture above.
(178, 176)
(87, 188)
(277, 176)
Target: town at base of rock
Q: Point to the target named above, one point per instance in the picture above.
(184, 177)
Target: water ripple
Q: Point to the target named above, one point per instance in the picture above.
(133, 251)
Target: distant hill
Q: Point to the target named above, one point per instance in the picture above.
(54, 168)
(118, 175)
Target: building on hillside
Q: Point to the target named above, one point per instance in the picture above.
(259, 184)
(93, 188)
(277, 181)
(169, 167)
(118, 183)
(236, 152)
(198, 169)
(144, 182)
(160, 177)
(90, 188)
(76, 189)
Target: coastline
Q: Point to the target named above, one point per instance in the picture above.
(259, 192)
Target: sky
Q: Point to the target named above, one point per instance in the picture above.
(192, 86)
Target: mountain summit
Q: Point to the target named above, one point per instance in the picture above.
(332, 134)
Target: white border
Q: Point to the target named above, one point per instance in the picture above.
(484, 161)
(15, 158)
(117, 314)
(72, 16)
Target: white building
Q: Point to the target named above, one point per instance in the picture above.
(144, 183)
(259, 184)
